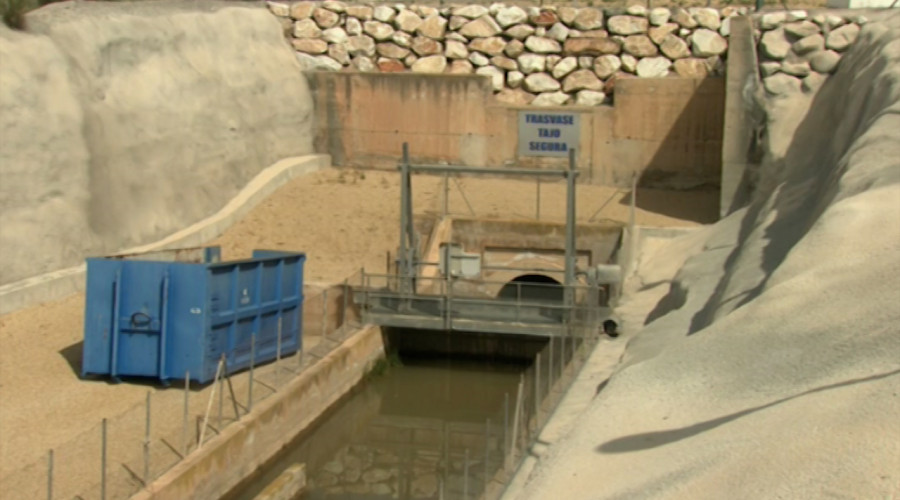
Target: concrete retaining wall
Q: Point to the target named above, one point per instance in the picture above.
(242, 447)
(668, 131)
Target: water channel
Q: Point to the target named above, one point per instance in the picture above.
(438, 426)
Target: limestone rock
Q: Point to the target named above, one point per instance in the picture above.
(674, 47)
(531, 63)
(796, 15)
(591, 46)
(407, 21)
(542, 17)
(514, 79)
(334, 35)
(659, 33)
(542, 45)
(515, 97)
(363, 63)
(769, 68)
(564, 67)
(479, 59)
(410, 60)
(627, 25)
(353, 26)
(629, 63)
(455, 50)
(496, 75)
(384, 13)
(781, 84)
(774, 45)
(558, 32)
(514, 48)
(809, 44)
(551, 99)
(338, 52)
(425, 11)
(582, 79)
(801, 29)
(825, 61)
(684, 19)
(725, 29)
(691, 68)
(540, 82)
(636, 9)
(306, 28)
(491, 46)
(589, 34)
(433, 27)
(552, 60)
(392, 50)
(279, 9)
(659, 16)
(509, 16)
(609, 86)
(585, 62)
(460, 67)
(326, 18)
(812, 82)
(334, 6)
(640, 46)
(707, 18)
(310, 45)
(457, 22)
(653, 67)
(484, 26)
(302, 10)
(842, 37)
(402, 38)
(318, 63)
(456, 36)
(606, 66)
(363, 12)
(424, 46)
(772, 20)
(361, 45)
(589, 98)
(505, 63)
(795, 68)
(588, 18)
(706, 43)
(430, 64)
(378, 30)
(470, 11)
(520, 31)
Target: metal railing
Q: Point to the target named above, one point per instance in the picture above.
(121, 454)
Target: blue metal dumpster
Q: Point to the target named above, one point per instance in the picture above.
(165, 317)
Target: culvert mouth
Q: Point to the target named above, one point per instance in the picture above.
(532, 288)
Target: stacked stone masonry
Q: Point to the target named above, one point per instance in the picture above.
(798, 51)
(551, 56)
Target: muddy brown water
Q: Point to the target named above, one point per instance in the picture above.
(429, 428)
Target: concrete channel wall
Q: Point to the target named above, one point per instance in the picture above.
(246, 445)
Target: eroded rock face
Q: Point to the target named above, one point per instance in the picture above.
(92, 148)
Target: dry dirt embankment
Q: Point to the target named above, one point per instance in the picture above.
(771, 368)
(121, 123)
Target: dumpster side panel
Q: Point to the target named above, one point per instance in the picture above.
(186, 328)
(99, 298)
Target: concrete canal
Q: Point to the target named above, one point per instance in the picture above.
(439, 424)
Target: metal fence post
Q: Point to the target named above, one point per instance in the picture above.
(487, 451)
(466, 476)
(252, 362)
(221, 382)
(446, 207)
(50, 475)
(505, 427)
(103, 460)
(325, 313)
(184, 422)
(147, 443)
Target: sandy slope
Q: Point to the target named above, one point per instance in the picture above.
(771, 368)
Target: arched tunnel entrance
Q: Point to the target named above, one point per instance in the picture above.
(532, 288)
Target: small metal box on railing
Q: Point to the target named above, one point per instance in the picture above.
(168, 313)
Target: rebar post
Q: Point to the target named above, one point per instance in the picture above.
(252, 363)
(221, 382)
(505, 425)
(103, 460)
(184, 422)
(487, 451)
(147, 443)
(50, 475)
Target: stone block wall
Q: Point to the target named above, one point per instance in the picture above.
(532, 55)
